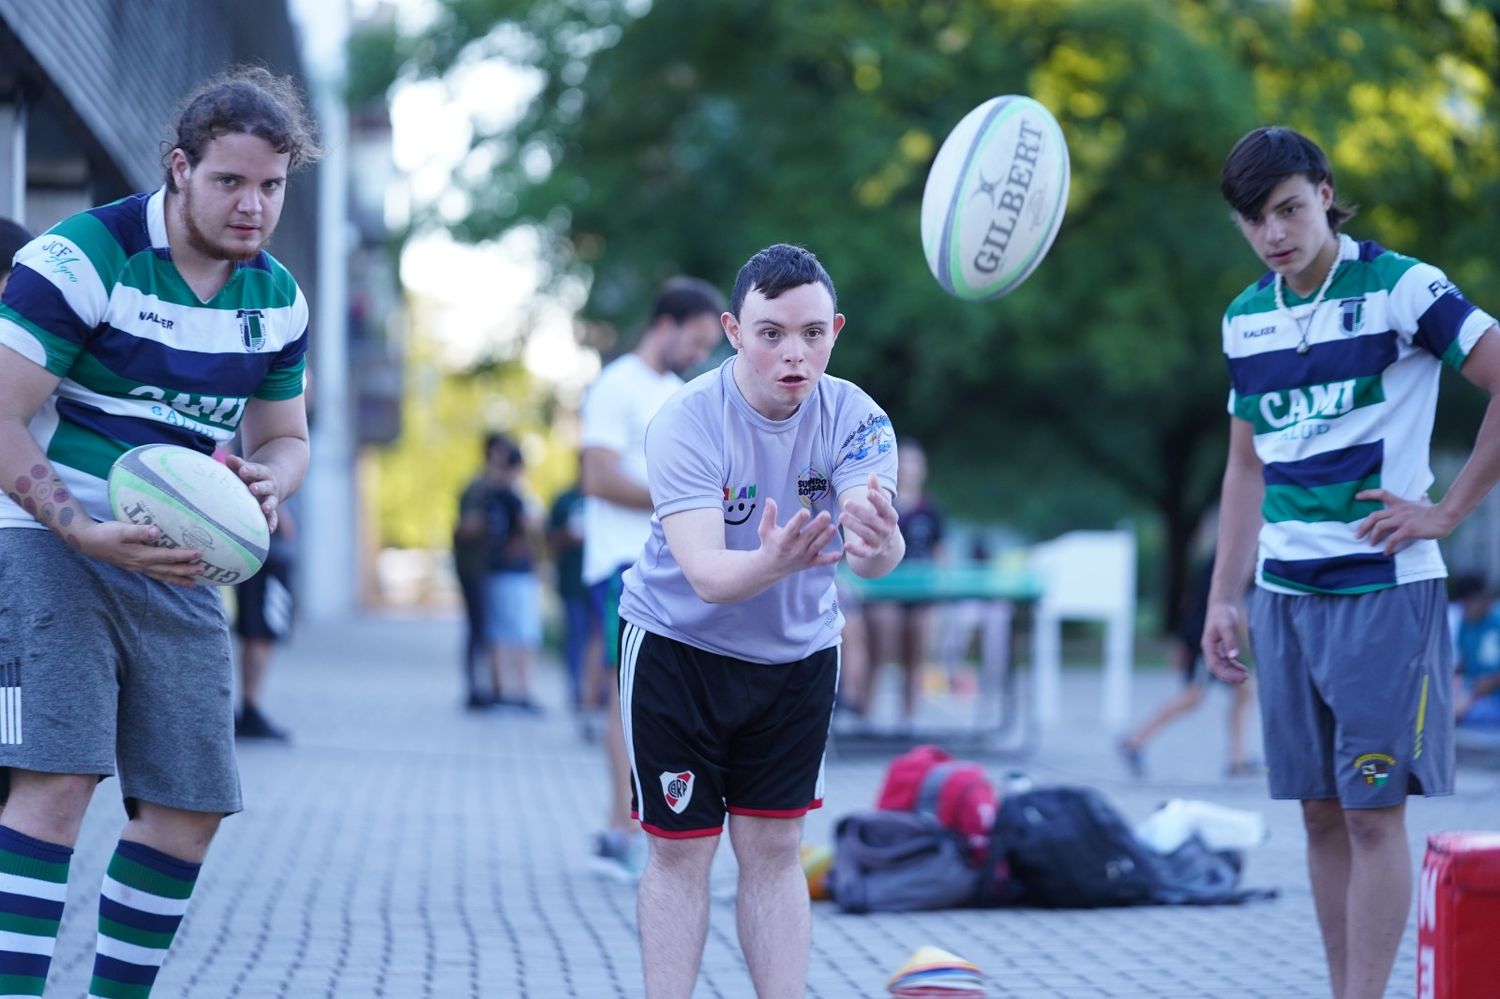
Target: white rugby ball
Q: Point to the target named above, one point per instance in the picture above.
(196, 502)
(995, 198)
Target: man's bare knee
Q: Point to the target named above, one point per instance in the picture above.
(48, 807)
(762, 841)
(174, 831)
(1372, 827)
(1322, 818)
(682, 856)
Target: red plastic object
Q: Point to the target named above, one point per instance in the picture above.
(1458, 917)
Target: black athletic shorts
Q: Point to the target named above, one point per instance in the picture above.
(709, 733)
(263, 603)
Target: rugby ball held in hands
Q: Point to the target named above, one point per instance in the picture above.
(995, 198)
(197, 503)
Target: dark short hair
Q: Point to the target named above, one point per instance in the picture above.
(1266, 156)
(776, 269)
(13, 236)
(500, 442)
(681, 298)
(249, 100)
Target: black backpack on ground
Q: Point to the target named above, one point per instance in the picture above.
(897, 861)
(1067, 847)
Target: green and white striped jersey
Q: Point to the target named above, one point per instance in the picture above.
(1351, 410)
(97, 301)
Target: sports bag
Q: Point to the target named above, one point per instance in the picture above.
(893, 861)
(956, 792)
(1068, 847)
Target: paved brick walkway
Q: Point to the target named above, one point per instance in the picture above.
(402, 847)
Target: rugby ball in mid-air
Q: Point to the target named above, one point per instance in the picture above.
(196, 502)
(995, 198)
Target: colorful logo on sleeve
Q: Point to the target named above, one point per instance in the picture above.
(1375, 768)
(873, 435)
(812, 485)
(739, 504)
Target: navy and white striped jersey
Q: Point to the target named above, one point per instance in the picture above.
(1353, 411)
(97, 301)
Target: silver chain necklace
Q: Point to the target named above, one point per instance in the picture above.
(1304, 325)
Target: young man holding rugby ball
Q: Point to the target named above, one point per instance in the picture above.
(158, 318)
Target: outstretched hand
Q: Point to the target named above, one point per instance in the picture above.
(261, 482)
(1401, 522)
(869, 522)
(798, 544)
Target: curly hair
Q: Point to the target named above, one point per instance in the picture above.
(250, 100)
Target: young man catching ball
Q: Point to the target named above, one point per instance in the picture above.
(730, 628)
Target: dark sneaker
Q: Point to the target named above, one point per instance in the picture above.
(251, 724)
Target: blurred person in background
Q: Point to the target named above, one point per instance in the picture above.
(494, 514)
(263, 611)
(13, 236)
(1187, 661)
(581, 641)
(1476, 701)
(682, 331)
(901, 630)
(158, 318)
(471, 561)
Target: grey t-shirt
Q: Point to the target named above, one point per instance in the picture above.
(707, 447)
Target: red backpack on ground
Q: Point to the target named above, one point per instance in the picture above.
(955, 792)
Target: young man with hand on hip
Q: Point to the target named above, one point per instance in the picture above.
(1334, 356)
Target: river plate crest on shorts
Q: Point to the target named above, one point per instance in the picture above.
(677, 788)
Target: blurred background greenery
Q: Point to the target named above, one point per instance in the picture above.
(679, 136)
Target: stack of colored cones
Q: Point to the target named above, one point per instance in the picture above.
(933, 973)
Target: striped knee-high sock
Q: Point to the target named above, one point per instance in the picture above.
(33, 887)
(144, 896)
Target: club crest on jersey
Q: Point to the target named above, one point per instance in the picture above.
(252, 328)
(1352, 314)
(1375, 768)
(812, 485)
(677, 789)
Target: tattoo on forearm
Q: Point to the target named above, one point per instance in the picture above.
(43, 495)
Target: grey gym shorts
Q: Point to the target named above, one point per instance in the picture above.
(99, 665)
(1355, 696)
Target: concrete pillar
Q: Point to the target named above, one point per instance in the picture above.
(13, 159)
(330, 510)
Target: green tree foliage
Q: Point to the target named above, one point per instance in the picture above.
(681, 136)
(445, 417)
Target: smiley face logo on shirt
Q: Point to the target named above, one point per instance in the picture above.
(739, 504)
